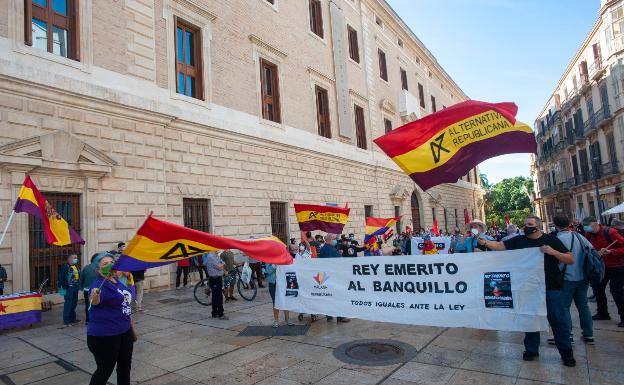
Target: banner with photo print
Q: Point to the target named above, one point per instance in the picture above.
(495, 290)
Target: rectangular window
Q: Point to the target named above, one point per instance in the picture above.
(421, 95)
(52, 26)
(456, 219)
(397, 213)
(368, 211)
(354, 49)
(269, 86)
(188, 59)
(611, 148)
(360, 127)
(383, 70)
(433, 104)
(445, 220)
(388, 125)
(322, 112)
(433, 213)
(197, 214)
(316, 18)
(279, 221)
(404, 79)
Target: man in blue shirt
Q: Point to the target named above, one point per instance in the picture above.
(329, 251)
(575, 285)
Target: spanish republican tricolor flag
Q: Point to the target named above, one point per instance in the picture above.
(57, 230)
(16, 311)
(378, 226)
(329, 219)
(159, 243)
(444, 146)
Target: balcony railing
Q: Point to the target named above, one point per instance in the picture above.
(608, 169)
(596, 69)
(602, 116)
(570, 139)
(590, 125)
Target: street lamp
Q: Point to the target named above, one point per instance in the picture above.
(596, 164)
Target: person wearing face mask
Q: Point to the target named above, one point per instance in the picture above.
(69, 286)
(554, 253)
(478, 231)
(303, 252)
(610, 245)
(110, 337)
(458, 242)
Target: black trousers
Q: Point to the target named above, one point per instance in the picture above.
(216, 287)
(614, 277)
(202, 270)
(179, 271)
(85, 294)
(110, 351)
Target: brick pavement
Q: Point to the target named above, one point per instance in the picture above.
(180, 344)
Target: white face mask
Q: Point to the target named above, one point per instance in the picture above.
(474, 231)
(302, 248)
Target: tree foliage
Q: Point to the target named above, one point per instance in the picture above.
(509, 196)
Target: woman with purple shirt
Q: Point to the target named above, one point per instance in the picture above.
(109, 334)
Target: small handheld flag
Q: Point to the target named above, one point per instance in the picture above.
(330, 219)
(57, 230)
(435, 230)
(444, 146)
(507, 220)
(378, 226)
(159, 243)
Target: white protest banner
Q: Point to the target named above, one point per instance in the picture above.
(442, 244)
(494, 290)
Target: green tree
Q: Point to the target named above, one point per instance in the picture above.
(509, 196)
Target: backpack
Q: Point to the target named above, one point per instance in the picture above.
(593, 266)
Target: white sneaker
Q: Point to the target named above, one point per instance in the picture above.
(275, 324)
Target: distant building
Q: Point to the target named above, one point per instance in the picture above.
(217, 115)
(580, 132)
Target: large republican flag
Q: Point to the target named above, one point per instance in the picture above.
(444, 146)
(329, 219)
(158, 243)
(57, 230)
(20, 310)
(378, 226)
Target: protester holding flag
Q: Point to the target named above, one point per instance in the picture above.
(554, 253)
(110, 337)
(69, 285)
(87, 276)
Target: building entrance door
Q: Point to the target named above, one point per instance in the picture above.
(415, 212)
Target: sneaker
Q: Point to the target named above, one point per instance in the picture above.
(275, 324)
(589, 340)
(569, 361)
(529, 356)
(551, 341)
(601, 317)
(223, 318)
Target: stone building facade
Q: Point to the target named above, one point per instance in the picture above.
(580, 131)
(214, 115)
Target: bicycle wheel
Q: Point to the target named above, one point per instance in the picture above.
(202, 294)
(247, 291)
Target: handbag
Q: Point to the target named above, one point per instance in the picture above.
(246, 273)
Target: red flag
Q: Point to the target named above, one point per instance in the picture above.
(466, 216)
(507, 218)
(435, 229)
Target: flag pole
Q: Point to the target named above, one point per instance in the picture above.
(7, 226)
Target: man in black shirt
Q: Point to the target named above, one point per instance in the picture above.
(554, 253)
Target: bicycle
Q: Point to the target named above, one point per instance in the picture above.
(247, 291)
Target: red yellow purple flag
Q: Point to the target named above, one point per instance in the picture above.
(158, 243)
(57, 230)
(444, 146)
(378, 226)
(330, 219)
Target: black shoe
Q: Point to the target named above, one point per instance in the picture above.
(329, 318)
(529, 356)
(589, 340)
(343, 320)
(601, 317)
(76, 321)
(569, 361)
(261, 286)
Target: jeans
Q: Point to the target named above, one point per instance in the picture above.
(614, 276)
(110, 351)
(577, 291)
(216, 287)
(202, 270)
(69, 307)
(139, 294)
(179, 271)
(556, 313)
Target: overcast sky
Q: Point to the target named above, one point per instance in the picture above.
(502, 50)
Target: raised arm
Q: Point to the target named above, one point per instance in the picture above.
(492, 245)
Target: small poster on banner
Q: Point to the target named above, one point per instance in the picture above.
(497, 290)
(292, 286)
